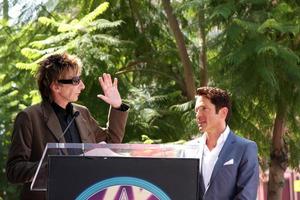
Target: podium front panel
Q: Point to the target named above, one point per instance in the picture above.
(109, 178)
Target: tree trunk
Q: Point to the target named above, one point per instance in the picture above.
(279, 159)
(136, 14)
(187, 66)
(5, 10)
(202, 53)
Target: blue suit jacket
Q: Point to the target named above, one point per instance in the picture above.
(236, 172)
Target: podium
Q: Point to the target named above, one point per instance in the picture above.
(118, 172)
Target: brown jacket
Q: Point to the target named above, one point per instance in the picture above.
(38, 125)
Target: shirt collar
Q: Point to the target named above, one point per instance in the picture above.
(58, 109)
(223, 136)
(221, 139)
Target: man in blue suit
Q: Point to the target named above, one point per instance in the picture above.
(229, 167)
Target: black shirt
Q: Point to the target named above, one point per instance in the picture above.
(65, 116)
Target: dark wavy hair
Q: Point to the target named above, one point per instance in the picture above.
(220, 98)
(53, 68)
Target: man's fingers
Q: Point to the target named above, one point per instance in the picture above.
(115, 84)
(104, 98)
(107, 79)
(102, 84)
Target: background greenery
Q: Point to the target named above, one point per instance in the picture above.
(161, 51)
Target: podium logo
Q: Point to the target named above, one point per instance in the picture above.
(123, 188)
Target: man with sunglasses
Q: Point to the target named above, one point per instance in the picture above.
(58, 120)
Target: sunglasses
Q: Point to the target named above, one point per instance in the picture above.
(74, 80)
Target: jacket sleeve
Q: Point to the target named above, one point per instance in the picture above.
(115, 127)
(19, 168)
(248, 174)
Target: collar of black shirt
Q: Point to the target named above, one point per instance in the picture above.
(59, 110)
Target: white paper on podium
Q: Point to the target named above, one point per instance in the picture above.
(102, 152)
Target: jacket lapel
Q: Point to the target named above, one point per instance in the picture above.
(52, 122)
(223, 155)
(82, 127)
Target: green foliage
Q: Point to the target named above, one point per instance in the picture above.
(224, 10)
(260, 62)
(151, 115)
(72, 33)
(92, 15)
(14, 84)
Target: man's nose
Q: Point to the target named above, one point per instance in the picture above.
(199, 113)
(82, 85)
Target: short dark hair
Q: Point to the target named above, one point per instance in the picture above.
(53, 68)
(220, 98)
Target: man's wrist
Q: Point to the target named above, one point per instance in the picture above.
(123, 107)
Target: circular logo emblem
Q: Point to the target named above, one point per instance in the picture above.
(123, 188)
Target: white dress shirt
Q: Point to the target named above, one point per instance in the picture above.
(209, 158)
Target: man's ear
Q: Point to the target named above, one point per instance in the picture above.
(54, 87)
(224, 112)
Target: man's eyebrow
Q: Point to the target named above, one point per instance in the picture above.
(198, 107)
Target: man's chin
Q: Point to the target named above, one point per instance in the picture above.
(201, 129)
(75, 99)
